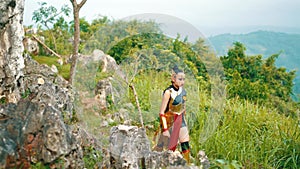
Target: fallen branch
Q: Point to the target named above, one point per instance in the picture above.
(46, 47)
(137, 103)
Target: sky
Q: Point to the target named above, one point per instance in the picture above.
(210, 17)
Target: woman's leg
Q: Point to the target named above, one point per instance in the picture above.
(184, 140)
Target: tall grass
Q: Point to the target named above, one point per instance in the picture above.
(249, 134)
(256, 136)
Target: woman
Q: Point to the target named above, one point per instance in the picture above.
(171, 113)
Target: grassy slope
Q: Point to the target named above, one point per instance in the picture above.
(247, 134)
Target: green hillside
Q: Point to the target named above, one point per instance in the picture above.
(265, 43)
(256, 126)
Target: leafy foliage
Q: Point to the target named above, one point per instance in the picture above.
(56, 33)
(91, 157)
(266, 43)
(46, 15)
(162, 52)
(255, 79)
(105, 33)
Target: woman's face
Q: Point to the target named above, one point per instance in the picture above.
(179, 79)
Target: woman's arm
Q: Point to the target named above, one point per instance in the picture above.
(163, 107)
(164, 102)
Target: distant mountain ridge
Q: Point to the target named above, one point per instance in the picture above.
(265, 43)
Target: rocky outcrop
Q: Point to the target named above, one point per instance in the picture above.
(130, 148)
(36, 128)
(11, 49)
(36, 103)
(108, 63)
(32, 133)
(104, 92)
(46, 87)
(87, 69)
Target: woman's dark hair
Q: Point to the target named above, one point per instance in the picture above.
(176, 69)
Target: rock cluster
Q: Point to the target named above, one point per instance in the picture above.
(130, 148)
(36, 127)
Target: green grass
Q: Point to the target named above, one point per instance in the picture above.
(256, 136)
(63, 70)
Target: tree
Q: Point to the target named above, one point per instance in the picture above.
(48, 16)
(107, 34)
(76, 9)
(252, 78)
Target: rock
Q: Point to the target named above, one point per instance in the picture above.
(130, 148)
(54, 69)
(123, 114)
(128, 145)
(105, 92)
(60, 61)
(31, 45)
(38, 110)
(41, 81)
(11, 49)
(109, 64)
(47, 88)
(34, 132)
(104, 124)
(36, 127)
(205, 164)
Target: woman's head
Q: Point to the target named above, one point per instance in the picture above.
(178, 77)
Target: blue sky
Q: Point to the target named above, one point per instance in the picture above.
(209, 16)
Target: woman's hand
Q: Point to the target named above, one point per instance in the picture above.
(166, 133)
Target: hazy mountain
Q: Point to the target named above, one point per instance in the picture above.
(209, 31)
(265, 43)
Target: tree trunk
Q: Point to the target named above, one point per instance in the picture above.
(76, 9)
(75, 46)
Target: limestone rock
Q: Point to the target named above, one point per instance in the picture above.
(32, 132)
(31, 45)
(88, 67)
(54, 69)
(205, 164)
(46, 87)
(11, 48)
(35, 128)
(130, 149)
(105, 92)
(109, 64)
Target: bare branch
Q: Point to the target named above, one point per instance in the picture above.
(46, 47)
(82, 3)
(74, 4)
(137, 103)
(135, 68)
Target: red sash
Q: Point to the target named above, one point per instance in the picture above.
(175, 132)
